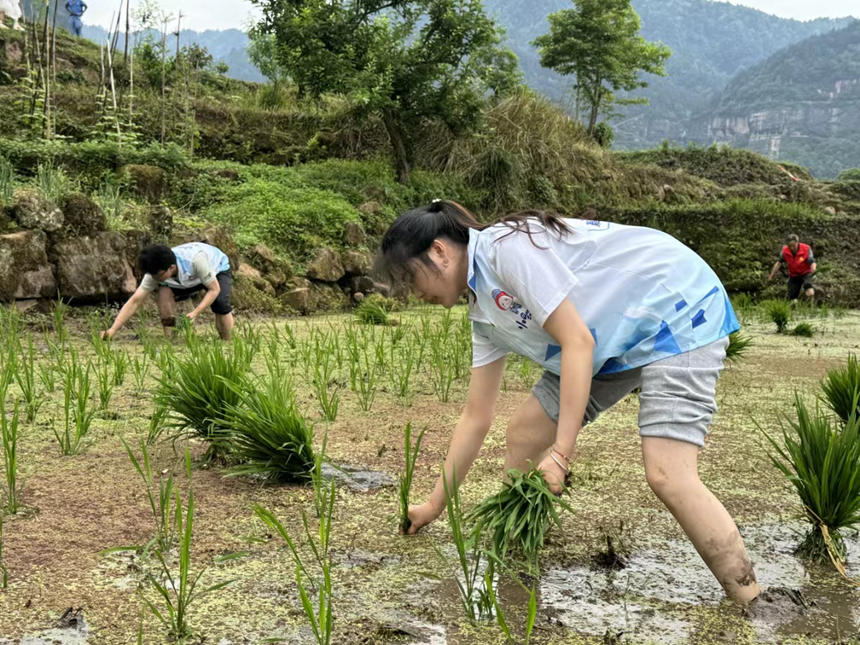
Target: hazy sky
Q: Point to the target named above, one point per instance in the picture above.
(224, 14)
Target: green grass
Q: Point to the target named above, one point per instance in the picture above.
(821, 459)
(841, 389)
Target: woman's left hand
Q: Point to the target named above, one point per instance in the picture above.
(553, 474)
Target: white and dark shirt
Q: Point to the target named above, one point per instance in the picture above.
(196, 263)
(642, 293)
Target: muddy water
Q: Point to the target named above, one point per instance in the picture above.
(653, 598)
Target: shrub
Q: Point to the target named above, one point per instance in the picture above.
(842, 389)
(269, 436)
(822, 461)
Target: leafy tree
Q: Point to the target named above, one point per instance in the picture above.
(408, 61)
(598, 41)
(263, 52)
(852, 174)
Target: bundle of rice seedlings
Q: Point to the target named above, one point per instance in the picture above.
(738, 346)
(842, 389)
(197, 391)
(821, 458)
(803, 329)
(269, 437)
(373, 310)
(520, 514)
(410, 452)
(779, 312)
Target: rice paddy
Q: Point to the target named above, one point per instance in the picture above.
(104, 514)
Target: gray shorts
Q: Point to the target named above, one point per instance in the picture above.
(676, 400)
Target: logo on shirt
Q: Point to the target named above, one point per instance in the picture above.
(506, 302)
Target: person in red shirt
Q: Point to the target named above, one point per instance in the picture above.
(798, 258)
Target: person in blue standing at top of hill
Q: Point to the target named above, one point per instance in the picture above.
(177, 273)
(76, 10)
(604, 309)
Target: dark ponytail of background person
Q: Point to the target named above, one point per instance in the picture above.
(411, 235)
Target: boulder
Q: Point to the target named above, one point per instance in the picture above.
(35, 211)
(24, 268)
(326, 266)
(159, 221)
(93, 267)
(149, 182)
(298, 295)
(274, 269)
(82, 216)
(328, 297)
(356, 262)
(353, 233)
(248, 274)
(135, 242)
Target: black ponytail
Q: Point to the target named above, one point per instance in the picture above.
(411, 235)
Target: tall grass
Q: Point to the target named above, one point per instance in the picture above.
(53, 182)
(821, 459)
(410, 456)
(841, 389)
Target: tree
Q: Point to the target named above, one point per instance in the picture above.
(598, 42)
(408, 61)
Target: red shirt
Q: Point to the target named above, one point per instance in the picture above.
(799, 263)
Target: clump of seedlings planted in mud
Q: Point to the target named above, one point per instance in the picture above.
(739, 345)
(410, 453)
(778, 312)
(842, 389)
(9, 436)
(78, 413)
(373, 310)
(25, 376)
(165, 512)
(804, 330)
(821, 458)
(268, 435)
(520, 514)
(320, 618)
(178, 590)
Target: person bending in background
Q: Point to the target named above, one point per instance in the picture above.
(798, 257)
(177, 273)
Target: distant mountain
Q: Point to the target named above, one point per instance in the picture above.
(710, 42)
(229, 46)
(802, 104)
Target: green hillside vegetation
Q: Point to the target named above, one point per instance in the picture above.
(289, 172)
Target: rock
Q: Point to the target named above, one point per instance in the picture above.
(830, 210)
(93, 267)
(362, 283)
(298, 297)
(327, 297)
(135, 242)
(356, 262)
(274, 269)
(217, 236)
(358, 296)
(24, 268)
(247, 273)
(149, 182)
(82, 216)
(159, 221)
(353, 233)
(33, 210)
(325, 266)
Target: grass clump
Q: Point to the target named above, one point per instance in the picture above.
(374, 310)
(269, 436)
(410, 452)
(778, 312)
(821, 459)
(803, 329)
(842, 389)
(520, 514)
(738, 346)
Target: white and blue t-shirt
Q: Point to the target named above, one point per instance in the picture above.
(642, 293)
(196, 263)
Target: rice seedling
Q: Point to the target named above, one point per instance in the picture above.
(25, 375)
(77, 416)
(520, 514)
(320, 617)
(803, 329)
(778, 312)
(325, 386)
(9, 436)
(105, 383)
(59, 315)
(410, 455)
(318, 481)
(139, 371)
(738, 346)
(165, 513)
(269, 437)
(442, 367)
(841, 389)
(48, 377)
(156, 424)
(120, 366)
(821, 459)
(179, 592)
(199, 389)
(367, 381)
(402, 368)
(371, 311)
(743, 305)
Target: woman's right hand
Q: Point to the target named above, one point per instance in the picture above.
(421, 515)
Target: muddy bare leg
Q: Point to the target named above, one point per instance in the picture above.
(167, 310)
(671, 468)
(224, 325)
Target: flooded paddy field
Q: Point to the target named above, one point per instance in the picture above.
(69, 581)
